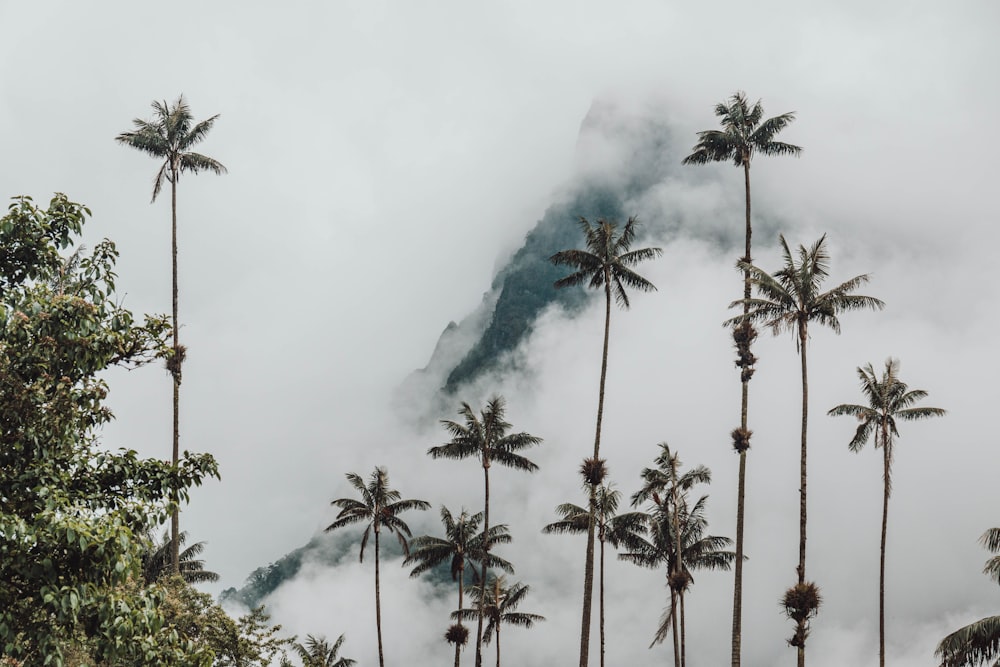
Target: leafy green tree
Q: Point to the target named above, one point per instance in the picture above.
(618, 530)
(318, 652)
(487, 438)
(71, 512)
(170, 136)
(788, 301)
(977, 642)
(606, 263)
(497, 602)
(462, 544)
(156, 561)
(744, 134)
(379, 507)
(671, 522)
(889, 399)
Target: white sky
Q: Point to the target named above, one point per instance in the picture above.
(384, 156)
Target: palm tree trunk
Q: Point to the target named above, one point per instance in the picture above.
(461, 581)
(601, 604)
(378, 606)
(680, 595)
(673, 622)
(486, 551)
(744, 401)
(498, 643)
(803, 335)
(881, 566)
(175, 374)
(588, 570)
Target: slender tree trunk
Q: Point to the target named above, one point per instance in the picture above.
(588, 570)
(378, 605)
(601, 604)
(740, 497)
(486, 551)
(461, 581)
(176, 376)
(498, 642)
(680, 595)
(673, 622)
(887, 457)
(803, 337)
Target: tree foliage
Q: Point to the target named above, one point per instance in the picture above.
(71, 512)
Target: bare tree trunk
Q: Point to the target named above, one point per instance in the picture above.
(176, 376)
(486, 551)
(744, 401)
(887, 457)
(461, 582)
(801, 569)
(673, 622)
(680, 595)
(378, 605)
(588, 571)
(498, 642)
(602, 596)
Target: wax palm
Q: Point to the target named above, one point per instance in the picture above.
(462, 544)
(171, 135)
(789, 301)
(318, 652)
(606, 263)
(497, 602)
(743, 135)
(156, 561)
(379, 507)
(977, 642)
(697, 551)
(618, 530)
(485, 437)
(889, 400)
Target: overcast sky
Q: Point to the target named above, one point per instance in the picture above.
(384, 156)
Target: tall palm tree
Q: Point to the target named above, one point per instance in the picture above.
(497, 602)
(606, 263)
(977, 642)
(485, 437)
(618, 530)
(788, 301)
(889, 400)
(379, 507)
(170, 136)
(318, 652)
(461, 544)
(743, 135)
(697, 551)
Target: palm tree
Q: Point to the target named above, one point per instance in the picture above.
(697, 551)
(461, 545)
(379, 507)
(619, 530)
(788, 301)
(744, 134)
(497, 602)
(156, 562)
(318, 652)
(170, 135)
(977, 642)
(889, 399)
(485, 437)
(606, 263)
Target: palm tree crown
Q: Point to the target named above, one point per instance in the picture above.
(743, 134)
(156, 562)
(791, 298)
(461, 545)
(170, 135)
(379, 507)
(608, 259)
(486, 437)
(318, 652)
